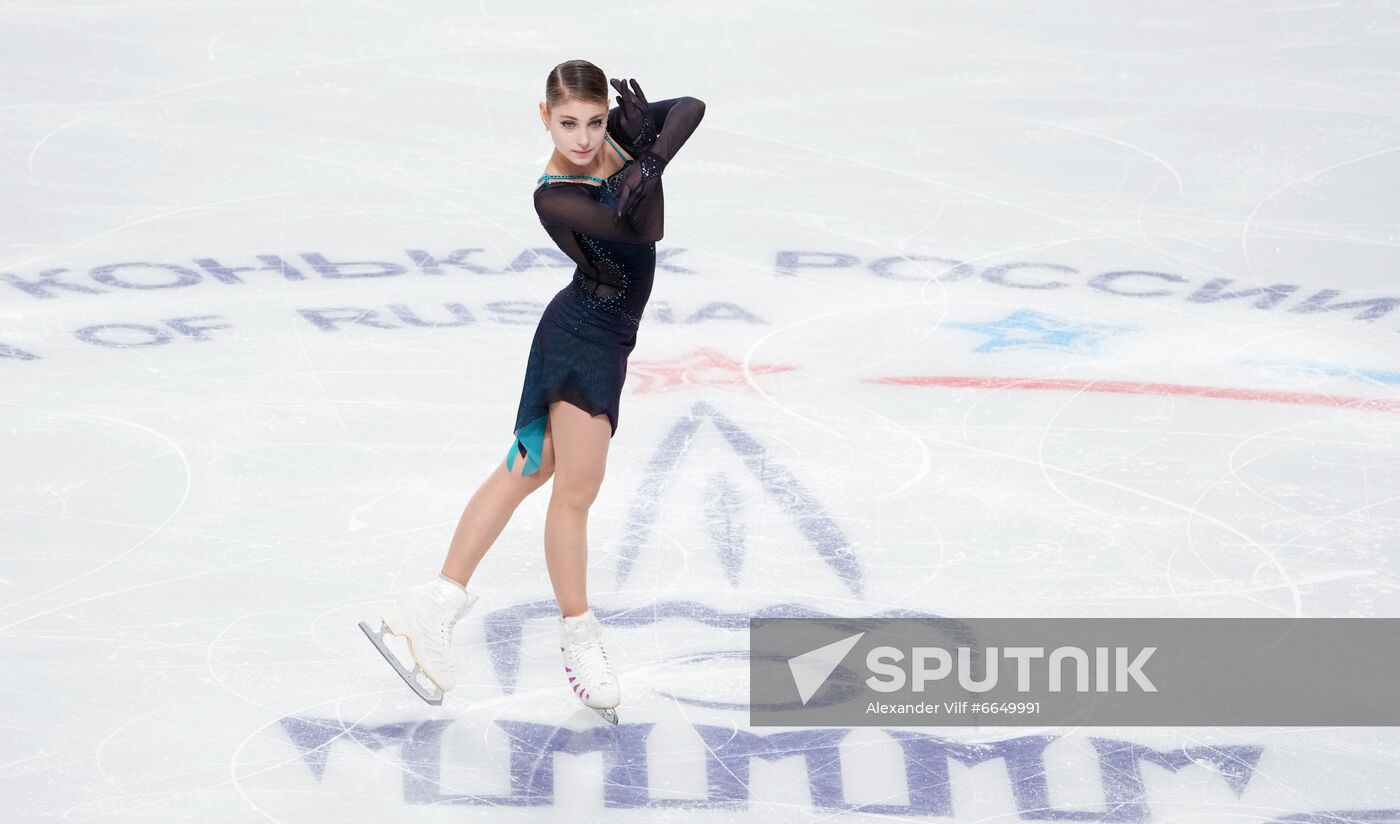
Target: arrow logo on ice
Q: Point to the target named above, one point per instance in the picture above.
(811, 669)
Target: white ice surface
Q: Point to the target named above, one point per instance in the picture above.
(192, 522)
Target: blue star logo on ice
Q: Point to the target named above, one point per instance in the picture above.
(811, 669)
(1027, 329)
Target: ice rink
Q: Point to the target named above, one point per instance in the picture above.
(1000, 310)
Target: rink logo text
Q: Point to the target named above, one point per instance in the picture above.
(723, 774)
(916, 270)
(931, 770)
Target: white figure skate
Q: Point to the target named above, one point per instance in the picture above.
(425, 615)
(586, 664)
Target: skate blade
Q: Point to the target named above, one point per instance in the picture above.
(609, 714)
(416, 679)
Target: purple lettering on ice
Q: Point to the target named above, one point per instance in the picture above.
(953, 269)
(461, 314)
(723, 515)
(1321, 301)
(184, 276)
(541, 257)
(145, 335)
(789, 262)
(430, 264)
(1269, 296)
(663, 260)
(517, 312)
(1108, 282)
(1122, 283)
(790, 497)
(189, 329)
(998, 275)
(722, 310)
(730, 752)
(229, 274)
(352, 269)
(15, 353)
(43, 288)
(330, 319)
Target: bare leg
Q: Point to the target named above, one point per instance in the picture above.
(580, 453)
(490, 509)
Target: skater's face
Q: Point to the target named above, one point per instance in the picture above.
(577, 129)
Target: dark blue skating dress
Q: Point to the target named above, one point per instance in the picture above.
(580, 349)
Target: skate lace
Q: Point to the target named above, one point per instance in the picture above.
(446, 632)
(591, 660)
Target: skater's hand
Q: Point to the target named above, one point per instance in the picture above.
(632, 189)
(634, 114)
(629, 190)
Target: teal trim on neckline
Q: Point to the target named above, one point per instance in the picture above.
(606, 137)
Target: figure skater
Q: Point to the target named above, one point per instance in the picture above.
(600, 199)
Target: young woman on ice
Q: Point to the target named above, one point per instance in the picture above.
(600, 199)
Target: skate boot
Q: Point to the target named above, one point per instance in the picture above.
(425, 615)
(586, 664)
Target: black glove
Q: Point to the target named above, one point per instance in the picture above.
(634, 114)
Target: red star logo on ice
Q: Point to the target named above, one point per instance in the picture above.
(702, 367)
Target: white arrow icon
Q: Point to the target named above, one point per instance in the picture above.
(810, 669)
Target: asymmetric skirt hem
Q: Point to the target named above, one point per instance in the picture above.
(579, 355)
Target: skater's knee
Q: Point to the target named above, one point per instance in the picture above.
(575, 491)
(577, 482)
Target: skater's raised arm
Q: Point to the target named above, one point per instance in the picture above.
(566, 206)
(676, 120)
(634, 121)
(641, 181)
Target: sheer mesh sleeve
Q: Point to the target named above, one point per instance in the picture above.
(658, 110)
(571, 212)
(676, 120)
(567, 206)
